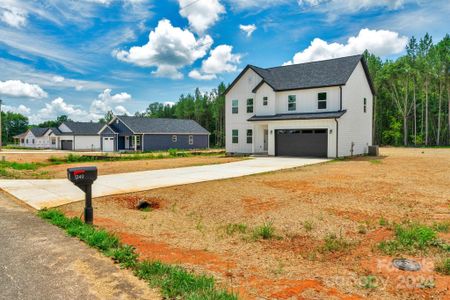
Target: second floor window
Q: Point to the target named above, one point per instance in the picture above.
(174, 138)
(250, 105)
(365, 105)
(235, 136)
(191, 140)
(234, 106)
(265, 101)
(292, 102)
(249, 136)
(322, 100)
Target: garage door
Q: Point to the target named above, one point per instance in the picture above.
(108, 144)
(301, 142)
(66, 145)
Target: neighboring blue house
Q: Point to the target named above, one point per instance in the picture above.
(124, 133)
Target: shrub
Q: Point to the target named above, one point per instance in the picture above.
(369, 282)
(265, 231)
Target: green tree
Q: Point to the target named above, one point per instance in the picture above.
(12, 124)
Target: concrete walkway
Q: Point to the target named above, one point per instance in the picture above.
(39, 261)
(55, 192)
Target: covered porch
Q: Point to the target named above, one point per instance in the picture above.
(130, 142)
(260, 133)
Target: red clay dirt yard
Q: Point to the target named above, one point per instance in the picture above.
(306, 233)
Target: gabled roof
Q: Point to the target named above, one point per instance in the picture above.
(300, 116)
(38, 131)
(82, 128)
(107, 130)
(19, 136)
(325, 73)
(55, 131)
(160, 126)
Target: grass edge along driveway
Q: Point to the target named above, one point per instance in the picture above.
(174, 281)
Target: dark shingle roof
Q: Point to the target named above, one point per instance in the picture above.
(108, 130)
(300, 116)
(149, 125)
(38, 131)
(55, 131)
(332, 72)
(84, 128)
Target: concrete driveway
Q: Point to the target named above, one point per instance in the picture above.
(40, 193)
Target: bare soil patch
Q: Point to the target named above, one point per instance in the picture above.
(344, 199)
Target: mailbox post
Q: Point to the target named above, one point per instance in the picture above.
(83, 178)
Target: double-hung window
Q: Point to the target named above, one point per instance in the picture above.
(292, 103)
(234, 106)
(249, 105)
(235, 136)
(249, 136)
(191, 140)
(365, 105)
(174, 138)
(265, 101)
(322, 100)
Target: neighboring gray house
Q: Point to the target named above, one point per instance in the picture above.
(124, 133)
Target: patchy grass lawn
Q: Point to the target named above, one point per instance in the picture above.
(50, 165)
(314, 232)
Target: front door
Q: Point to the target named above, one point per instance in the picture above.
(266, 138)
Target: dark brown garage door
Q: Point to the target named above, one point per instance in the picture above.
(301, 142)
(66, 145)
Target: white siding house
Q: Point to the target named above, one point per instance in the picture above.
(321, 109)
(42, 138)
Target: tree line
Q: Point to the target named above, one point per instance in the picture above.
(411, 106)
(413, 94)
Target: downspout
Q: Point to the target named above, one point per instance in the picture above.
(340, 98)
(337, 137)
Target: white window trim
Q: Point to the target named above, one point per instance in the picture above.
(294, 102)
(235, 136)
(235, 106)
(191, 140)
(174, 138)
(320, 101)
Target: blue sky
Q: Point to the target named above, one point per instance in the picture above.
(82, 58)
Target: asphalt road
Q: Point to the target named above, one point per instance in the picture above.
(38, 261)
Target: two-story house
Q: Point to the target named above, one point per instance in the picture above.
(318, 109)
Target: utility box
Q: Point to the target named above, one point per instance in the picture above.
(83, 178)
(374, 150)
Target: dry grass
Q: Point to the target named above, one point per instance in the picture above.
(337, 198)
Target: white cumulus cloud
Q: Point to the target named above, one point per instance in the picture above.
(221, 60)
(21, 109)
(18, 88)
(169, 49)
(59, 107)
(248, 29)
(106, 101)
(201, 14)
(378, 42)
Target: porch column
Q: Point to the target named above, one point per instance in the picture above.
(135, 142)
